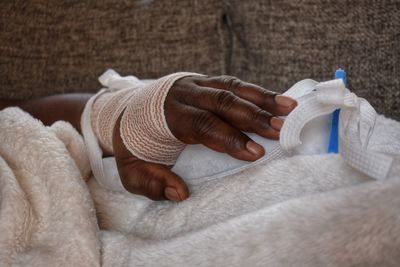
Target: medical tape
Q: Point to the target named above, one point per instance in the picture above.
(357, 121)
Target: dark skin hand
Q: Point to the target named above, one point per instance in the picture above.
(212, 111)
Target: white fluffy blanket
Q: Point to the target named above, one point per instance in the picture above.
(301, 211)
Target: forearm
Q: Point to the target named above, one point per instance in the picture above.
(67, 107)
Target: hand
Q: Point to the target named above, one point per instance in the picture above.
(212, 111)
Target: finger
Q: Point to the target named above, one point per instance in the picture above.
(200, 126)
(152, 180)
(238, 112)
(272, 102)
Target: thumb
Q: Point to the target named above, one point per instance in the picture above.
(155, 181)
(152, 180)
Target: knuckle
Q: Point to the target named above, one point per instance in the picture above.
(153, 188)
(224, 100)
(142, 181)
(267, 94)
(203, 123)
(231, 82)
(260, 115)
(232, 141)
(181, 88)
(130, 181)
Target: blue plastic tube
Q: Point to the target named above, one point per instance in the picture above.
(334, 136)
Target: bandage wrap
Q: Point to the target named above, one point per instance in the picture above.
(143, 126)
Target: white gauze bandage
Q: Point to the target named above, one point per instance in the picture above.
(143, 126)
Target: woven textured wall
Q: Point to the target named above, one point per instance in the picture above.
(276, 43)
(49, 47)
(52, 47)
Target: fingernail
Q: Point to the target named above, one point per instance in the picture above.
(285, 101)
(276, 123)
(172, 194)
(254, 148)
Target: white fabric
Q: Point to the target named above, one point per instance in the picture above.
(298, 211)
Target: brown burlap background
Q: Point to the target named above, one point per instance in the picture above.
(277, 43)
(49, 47)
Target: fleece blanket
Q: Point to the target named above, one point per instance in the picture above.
(298, 211)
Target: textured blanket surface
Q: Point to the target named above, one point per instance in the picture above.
(299, 211)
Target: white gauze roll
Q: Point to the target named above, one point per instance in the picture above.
(143, 127)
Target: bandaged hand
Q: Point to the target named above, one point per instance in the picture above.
(213, 111)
